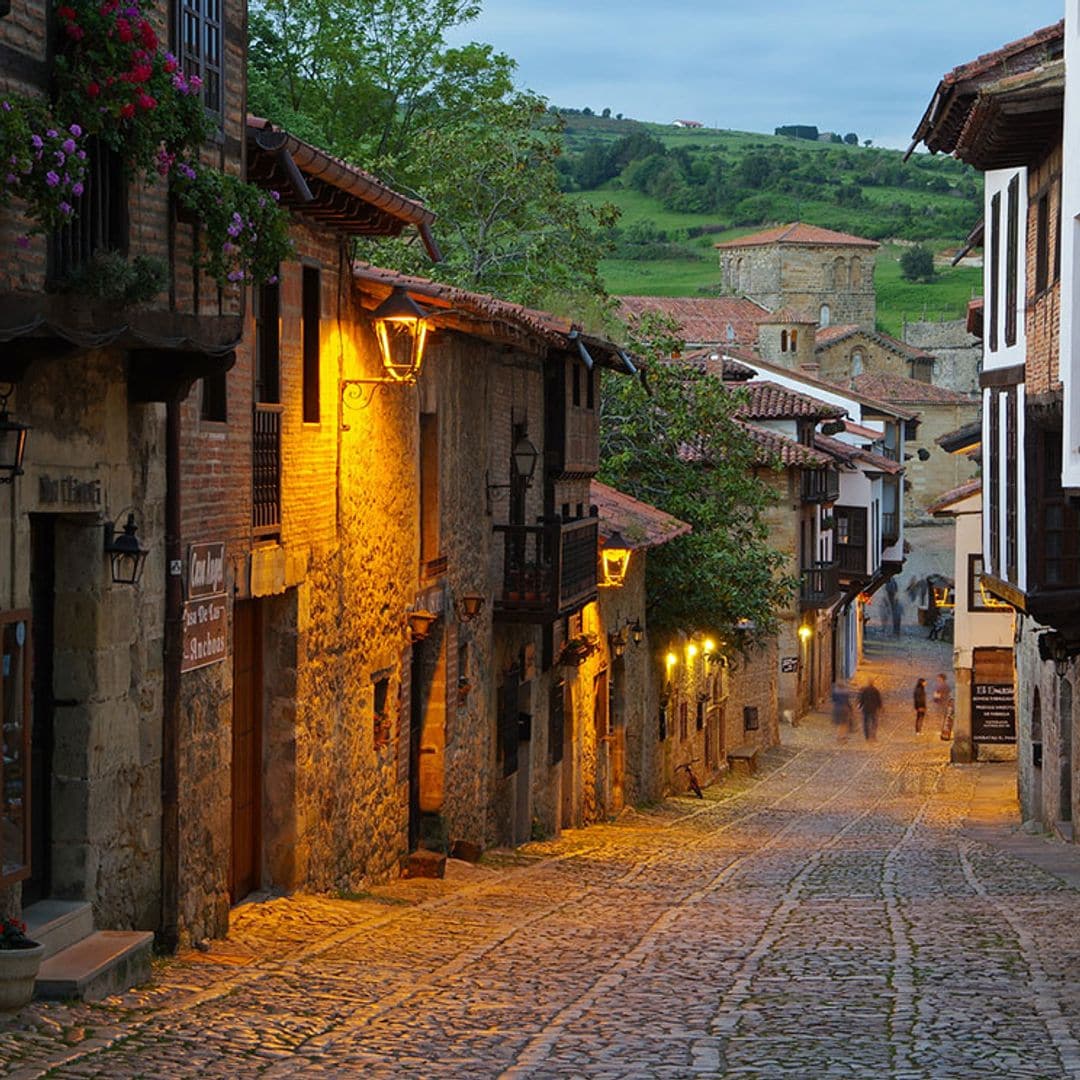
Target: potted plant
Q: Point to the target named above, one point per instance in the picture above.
(20, 958)
(577, 650)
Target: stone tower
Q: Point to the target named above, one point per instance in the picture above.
(806, 268)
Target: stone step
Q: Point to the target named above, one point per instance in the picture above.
(58, 924)
(106, 962)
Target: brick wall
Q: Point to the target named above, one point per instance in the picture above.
(1043, 309)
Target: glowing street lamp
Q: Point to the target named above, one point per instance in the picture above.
(615, 561)
(401, 328)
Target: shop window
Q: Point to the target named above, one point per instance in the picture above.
(15, 761)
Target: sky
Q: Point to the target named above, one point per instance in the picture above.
(842, 65)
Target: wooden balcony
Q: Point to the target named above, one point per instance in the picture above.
(890, 527)
(266, 468)
(820, 485)
(819, 586)
(852, 561)
(549, 570)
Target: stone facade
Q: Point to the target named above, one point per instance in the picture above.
(957, 353)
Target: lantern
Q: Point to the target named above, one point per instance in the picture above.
(126, 556)
(401, 328)
(615, 561)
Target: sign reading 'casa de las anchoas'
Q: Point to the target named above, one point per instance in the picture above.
(206, 622)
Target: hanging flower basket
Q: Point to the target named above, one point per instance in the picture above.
(577, 650)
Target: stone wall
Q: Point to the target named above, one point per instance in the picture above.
(957, 354)
(926, 481)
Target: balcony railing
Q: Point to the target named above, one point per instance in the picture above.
(549, 570)
(820, 485)
(820, 585)
(266, 468)
(890, 527)
(851, 559)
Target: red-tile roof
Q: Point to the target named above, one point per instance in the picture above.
(830, 335)
(487, 316)
(703, 320)
(852, 454)
(642, 525)
(862, 432)
(715, 362)
(789, 315)
(958, 494)
(798, 233)
(771, 401)
(789, 452)
(899, 388)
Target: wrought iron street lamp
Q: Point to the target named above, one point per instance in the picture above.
(126, 556)
(12, 439)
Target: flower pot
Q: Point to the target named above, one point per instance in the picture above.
(18, 970)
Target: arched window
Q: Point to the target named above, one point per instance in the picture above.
(824, 315)
(856, 273)
(783, 341)
(857, 362)
(839, 276)
(794, 340)
(742, 275)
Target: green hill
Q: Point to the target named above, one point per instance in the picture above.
(680, 191)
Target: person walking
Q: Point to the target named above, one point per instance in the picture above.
(919, 698)
(943, 705)
(841, 711)
(870, 704)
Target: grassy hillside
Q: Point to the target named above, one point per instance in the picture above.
(680, 191)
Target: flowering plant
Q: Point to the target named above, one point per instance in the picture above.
(577, 650)
(42, 164)
(244, 233)
(112, 74)
(13, 935)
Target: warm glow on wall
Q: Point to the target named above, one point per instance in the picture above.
(805, 633)
(691, 650)
(671, 660)
(710, 646)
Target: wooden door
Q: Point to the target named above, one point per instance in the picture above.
(247, 750)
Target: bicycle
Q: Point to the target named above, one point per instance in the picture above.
(691, 779)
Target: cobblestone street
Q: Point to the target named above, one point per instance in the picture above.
(855, 910)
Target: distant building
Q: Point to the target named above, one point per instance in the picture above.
(686, 123)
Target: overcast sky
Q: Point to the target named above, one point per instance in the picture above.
(866, 66)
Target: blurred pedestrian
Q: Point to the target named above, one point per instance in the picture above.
(897, 615)
(870, 704)
(943, 705)
(841, 711)
(919, 698)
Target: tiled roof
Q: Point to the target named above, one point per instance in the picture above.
(899, 388)
(830, 335)
(963, 440)
(862, 432)
(789, 315)
(798, 233)
(950, 498)
(702, 319)
(852, 454)
(790, 453)
(770, 401)
(642, 525)
(713, 360)
(487, 316)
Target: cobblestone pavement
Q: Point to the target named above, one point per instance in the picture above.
(831, 917)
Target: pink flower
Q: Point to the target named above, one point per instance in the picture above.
(66, 13)
(76, 33)
(123, 30)
(92, 90)
(147, 102)
(127, 111)
(170, 63)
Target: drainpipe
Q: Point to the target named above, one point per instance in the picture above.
(168, 929)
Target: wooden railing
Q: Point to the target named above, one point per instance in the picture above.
(851, 559)
(548, 570)
(266, 467)
(820, 585)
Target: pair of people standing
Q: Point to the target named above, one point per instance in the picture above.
(942, 705)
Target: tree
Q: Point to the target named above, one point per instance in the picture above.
(917, 264)
(374, 82)
(851, 139)
(680, 447)
(606, 114)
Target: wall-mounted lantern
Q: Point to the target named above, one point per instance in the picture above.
(1052, 646)
(420, 623)
(637, 632)
(805, 633)
(469, 607)
(401, 329)
(126, 557)
(614, 561)
(617, 643)
(12, 439)
(523, 459)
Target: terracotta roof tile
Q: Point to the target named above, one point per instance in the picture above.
(798, 233)
(770, 401)
(642, 525)
(899, 388)
(788, 451)
(712, 360)
(830, 335)
(703, 320)
(964, 491)
(789, 315)
(486, 316)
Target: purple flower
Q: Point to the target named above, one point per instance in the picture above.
(186, 171)
(65, 209)
(52, 133)
(275, 195)
(81, 155)
(236, 275)
(51, 178)
(227, 248)
(11, 178)
(36, 142)
(272, 279)
(179, 83)
(60, 157)
(6, 106)
(69, 146)
(77, 189)
(22, 241)
(75, 130)
(196, 82)
(235, 230)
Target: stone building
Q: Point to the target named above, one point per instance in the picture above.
(844, 352)
(956, 351)
(809, 269)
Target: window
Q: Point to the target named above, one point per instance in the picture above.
(1057, 525)
(699, 718)
(856, 273)
(995, 270)
(993, 460)
(15, 742)
(1012, 240)
(979, 597)
(1011, 484)
(201, 47)
(661, 722)
(729, 332)
(856, 363)
(783, 341)
(429, 487)
(508, 730)
(794, 340)
(213, 405)
(268, 343)
(750, 718)
(824, 315)
(312, 310)
(1042, 243)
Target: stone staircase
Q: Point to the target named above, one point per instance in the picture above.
(81, 962)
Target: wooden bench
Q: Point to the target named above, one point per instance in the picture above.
(742, 760)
